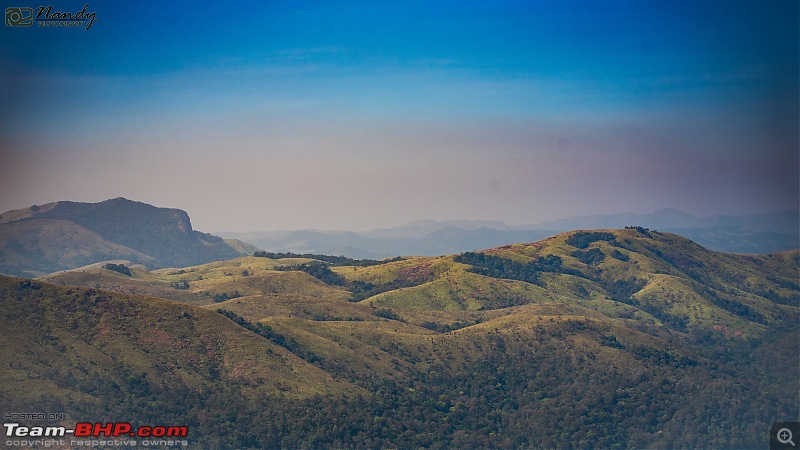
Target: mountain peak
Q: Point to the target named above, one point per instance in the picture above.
(164, 236)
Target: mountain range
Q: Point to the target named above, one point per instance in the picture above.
(58, 236)
(608, 338)
(752, 233)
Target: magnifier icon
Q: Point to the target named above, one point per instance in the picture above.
(785, 436)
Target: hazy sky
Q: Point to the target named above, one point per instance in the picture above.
(365, 114)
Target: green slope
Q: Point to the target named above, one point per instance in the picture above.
(609, 338)
(662, 277)
(98, 336)
(40, 246)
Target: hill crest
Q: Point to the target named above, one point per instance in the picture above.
(158, 237)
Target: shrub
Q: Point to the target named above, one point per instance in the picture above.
(582, 239)
(119, 268)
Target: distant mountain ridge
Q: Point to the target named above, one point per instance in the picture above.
(669, 218)
(63, 235)
(751, 233)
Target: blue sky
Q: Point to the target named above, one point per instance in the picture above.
(354, 115)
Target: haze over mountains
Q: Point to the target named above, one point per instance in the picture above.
(57, 236)
(753, 233)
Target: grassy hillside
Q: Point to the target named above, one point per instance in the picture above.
(242, 247)
(87, 341)
(609, 338)
(36, 247)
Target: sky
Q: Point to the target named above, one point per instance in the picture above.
(356, 115)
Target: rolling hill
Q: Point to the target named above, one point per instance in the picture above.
(601, 338)
(35, 247)
(64, 235)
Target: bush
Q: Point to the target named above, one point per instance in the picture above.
(219, 298)
(592, 256)
(619, 255)
(388, 314)
(582, 239)
(119, 268)
(497, 267)
(183, 284)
